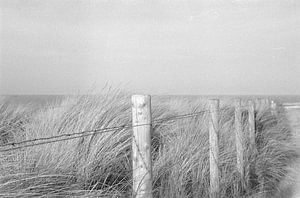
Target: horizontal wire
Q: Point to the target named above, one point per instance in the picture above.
(181, 116)
(97, 131)
(65, 134)
(46, 142)
(68, 138)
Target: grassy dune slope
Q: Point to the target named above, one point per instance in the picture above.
(101, 164)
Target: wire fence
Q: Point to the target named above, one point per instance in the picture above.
(86, 133)
(116, 129)
(69, 136)
(103, 130)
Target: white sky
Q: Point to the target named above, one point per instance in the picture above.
(154, 47)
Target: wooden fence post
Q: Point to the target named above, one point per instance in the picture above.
(267, 102)
(239, 138)
(251, 120)
(214, 148)
(258, 104)
(273, 108)
(141, 146)
(252, 145)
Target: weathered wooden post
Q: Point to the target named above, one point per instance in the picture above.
(214, 148)
(141, 146)
(252, 145)
(251, 120)
(239, 138)
(273, 108)
(258, 104)
(267, 103)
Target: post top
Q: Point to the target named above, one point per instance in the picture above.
(237, 101)
(140, 96)
(141, 99)
(213, 102)
(250, 102)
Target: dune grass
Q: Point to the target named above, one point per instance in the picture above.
(100, 164)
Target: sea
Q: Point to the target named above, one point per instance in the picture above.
(42, 100)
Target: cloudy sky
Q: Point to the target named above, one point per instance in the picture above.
(154, 47)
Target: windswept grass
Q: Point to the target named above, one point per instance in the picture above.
(100, 165)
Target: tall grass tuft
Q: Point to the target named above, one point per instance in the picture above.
(100, 164)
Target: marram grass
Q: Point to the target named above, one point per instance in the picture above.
(100, 165)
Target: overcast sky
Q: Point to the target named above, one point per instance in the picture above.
(154, 47)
